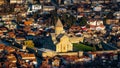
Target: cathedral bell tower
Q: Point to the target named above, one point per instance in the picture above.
(59, 27)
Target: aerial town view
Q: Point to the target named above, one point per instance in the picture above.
(59, 33)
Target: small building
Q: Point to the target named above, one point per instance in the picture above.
(48, 8)
(36, 7)
(96, 25)
(46, 52)
(29, 57)
(2, 46)
(80, 9)
(117, 15)
(62, 10)
(67, 2)
(56, 62)
(11, 26)
(11, 58)
(16, 1)
(74, 28)
(92, 55)
(112, 21)
(19, 39)
(3, 29)
(9, 49)
(11, 35)
(27, 22)
(2, 2)
(31, 33)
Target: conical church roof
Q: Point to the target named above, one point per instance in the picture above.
(59, 23)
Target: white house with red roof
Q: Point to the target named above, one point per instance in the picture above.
(96, 24)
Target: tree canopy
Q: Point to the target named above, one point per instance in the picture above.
(82, 21)
(110, 15)
(68, 19)
(82, 47)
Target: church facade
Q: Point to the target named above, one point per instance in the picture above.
(62, 43)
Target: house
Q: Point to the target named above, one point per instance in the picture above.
(27, 22)
(111, 21)
(11, 34)
(9, 49)
(19, 39)
(2, 46)
(23, 14)
(117, 15)
(11, 25)
(67, 2)
(97, 8)
(83, 59)
(1, 34)
(62, 10)
(17, 8)
(48, 8)
(74, 28)
(96, 24)
(47, 1)
(3, 29)
(8, 17)
(27, 28)
(118, 43)
(11, 58)
(80, 9)
(76, 1)
(5, 17)
(16, 1)
(36, 7)
(56, 62)
(29, 57)
(30, 1)
(92, 55)
(2, 2)
(26, 56)
(31, 33)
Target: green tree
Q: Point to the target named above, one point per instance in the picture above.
(29, 43)
(82, 47)
(64, 18)
(110, 15)
(83, 21)
(68, 19)
(71, 20)
(94, 47)
(54, 17)
(104, 21)
(87, 25)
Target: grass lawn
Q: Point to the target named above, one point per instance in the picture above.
(82, 47)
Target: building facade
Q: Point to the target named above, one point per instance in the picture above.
(63, 43)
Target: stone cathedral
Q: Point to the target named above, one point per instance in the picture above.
(60, 38)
